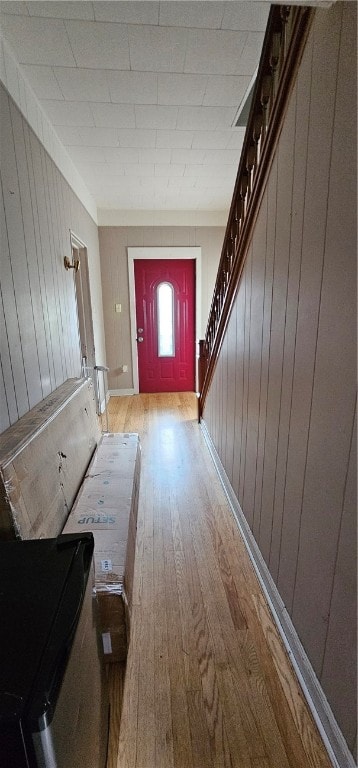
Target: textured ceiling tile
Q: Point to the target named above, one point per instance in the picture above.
(187, 156)
(16, 7)
(236, 139)
(113, 115)
(154, 183)
(220, 171)
(142, 127)
(104, 46)
(139, 170)
(211, 139)
(82, 84)
(191, 14)
(169, 170)
(201, 118)
(182, 183)
(157, 49)
(42, 81)
(38, 41)
(133, 87)
(127, 12)
(214, 53)
(225, 91)
(68, 113)
(155, 117)
(119, 157)
(99, 137)
(137, 138)
(246, 16)
(250, 55)
(61, 10)
(87, 155)
(69, 135)
(174, 139)
(155, 156)
(222, 156)
(181, 89)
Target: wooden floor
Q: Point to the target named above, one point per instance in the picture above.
(208, 683)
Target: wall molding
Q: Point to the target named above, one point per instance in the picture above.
(323, 716)
(108, 217)
(121, 392)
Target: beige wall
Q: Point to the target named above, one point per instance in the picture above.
(114, 265)
(281, 409)
(39, 328)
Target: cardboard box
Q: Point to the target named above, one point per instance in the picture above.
(107, 505)
(112, 622)
(43, 458)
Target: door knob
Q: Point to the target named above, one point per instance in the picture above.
(140, 330)
(140, 338)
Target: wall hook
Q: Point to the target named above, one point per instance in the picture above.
(68, 265)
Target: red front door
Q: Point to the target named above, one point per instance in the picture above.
(165, 313)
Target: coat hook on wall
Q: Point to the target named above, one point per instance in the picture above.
(68, 265)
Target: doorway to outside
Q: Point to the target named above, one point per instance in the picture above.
(165, 308)
(165, 317)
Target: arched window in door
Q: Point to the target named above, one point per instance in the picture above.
(165, 320)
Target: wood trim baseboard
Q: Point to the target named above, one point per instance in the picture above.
(322, 714)
(121, 392)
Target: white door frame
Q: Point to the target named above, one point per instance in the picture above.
(165, 252)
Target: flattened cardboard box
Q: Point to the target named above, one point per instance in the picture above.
(107, 505)
(43, 458)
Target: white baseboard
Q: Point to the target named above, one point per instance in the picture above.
(120, 392)
(327, 725)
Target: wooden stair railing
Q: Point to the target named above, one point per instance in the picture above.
(285, 39)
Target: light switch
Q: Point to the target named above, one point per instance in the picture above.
(118, 307)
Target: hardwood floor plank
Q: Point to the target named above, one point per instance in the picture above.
(208, 683)
(115, 674)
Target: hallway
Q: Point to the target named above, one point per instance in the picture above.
(208, 684)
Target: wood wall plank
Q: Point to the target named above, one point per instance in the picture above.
(245, 364)
(4, 409)
(6, 288)
(295, 256)
(268, 211)
(37, 266)
(231, 400)
(282, 338)
(255, 359)
(333, 397)
(321, 99)
(342, 613)
(342, 610)
(34, 309)
(296, 400)
(39, 328)
(239, 391)
(10, 310)
(277, 328)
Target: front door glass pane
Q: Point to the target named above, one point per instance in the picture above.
(165, 313)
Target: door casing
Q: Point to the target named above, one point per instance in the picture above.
(165, 252)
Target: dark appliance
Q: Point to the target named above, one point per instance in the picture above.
(53, 692)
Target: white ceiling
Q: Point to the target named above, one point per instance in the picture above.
(143, 95)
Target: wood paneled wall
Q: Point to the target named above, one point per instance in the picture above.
(281, 409)
(113, 242)
(38, 315)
